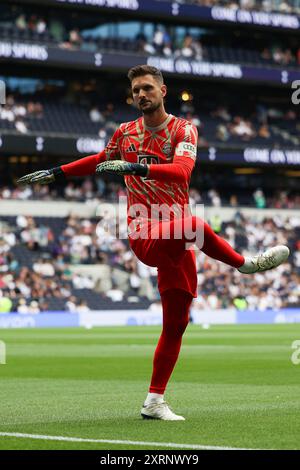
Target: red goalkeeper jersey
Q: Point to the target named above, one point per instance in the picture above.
(169, 149)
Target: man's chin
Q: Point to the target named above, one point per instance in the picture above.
(149, 110)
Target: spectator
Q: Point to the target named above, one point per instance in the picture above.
(115, 294)
(21, 22)
(259, 199)
(82, 307)
(44, 267)
(33, 308)
(5, 303)
(21, 127)
(96, 116)
(22, 307)
(264, 132)
(41, 26)
(242, 128)
(71, 304)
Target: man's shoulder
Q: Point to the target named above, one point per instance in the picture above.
(184, 127)
(183, 122)
(127, 127)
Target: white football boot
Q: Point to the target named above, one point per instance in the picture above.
(159, 410)
(270, 259)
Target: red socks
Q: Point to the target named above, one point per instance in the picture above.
(176, 305)
(218, 248)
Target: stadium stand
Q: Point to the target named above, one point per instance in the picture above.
(38, 254)
(83, 32)
(57, 110)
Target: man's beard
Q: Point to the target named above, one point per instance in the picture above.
(151, 109)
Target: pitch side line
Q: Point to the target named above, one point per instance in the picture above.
(108, 441)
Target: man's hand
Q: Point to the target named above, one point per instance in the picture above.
(42, 177)
(119, 167)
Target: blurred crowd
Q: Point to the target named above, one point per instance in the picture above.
(191, 47)
(268, 123)
(166, 41)
(19, 113)
(223, 287)
(36, 264)
(260, 124)
(40, 271)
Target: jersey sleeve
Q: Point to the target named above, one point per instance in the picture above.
(186, 141)
(184, 157)
(87, 165)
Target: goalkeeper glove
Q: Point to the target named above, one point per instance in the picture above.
(120, 167)
(43, 176)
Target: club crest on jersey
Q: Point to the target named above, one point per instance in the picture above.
(167, 149)
(131, 148)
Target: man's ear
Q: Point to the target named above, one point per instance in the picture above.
(163, 90)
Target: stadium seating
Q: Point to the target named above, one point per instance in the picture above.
(214, 277)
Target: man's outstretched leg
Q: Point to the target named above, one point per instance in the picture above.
(196, 230)
(176, 305)
(218, 248)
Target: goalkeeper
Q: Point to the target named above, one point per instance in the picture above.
(156, 154)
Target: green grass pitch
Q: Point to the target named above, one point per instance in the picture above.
(236, 386)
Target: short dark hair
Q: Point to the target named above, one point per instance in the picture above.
(140, 70)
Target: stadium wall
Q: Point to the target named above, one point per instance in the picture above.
(92, 209)
(76, 146)
(145, 318)
(31, 53)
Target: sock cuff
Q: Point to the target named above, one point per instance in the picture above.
(154, 397)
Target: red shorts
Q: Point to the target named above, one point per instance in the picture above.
(176, 265)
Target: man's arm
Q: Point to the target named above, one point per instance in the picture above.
(178, 172)
(87, 165)
(82, 167)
